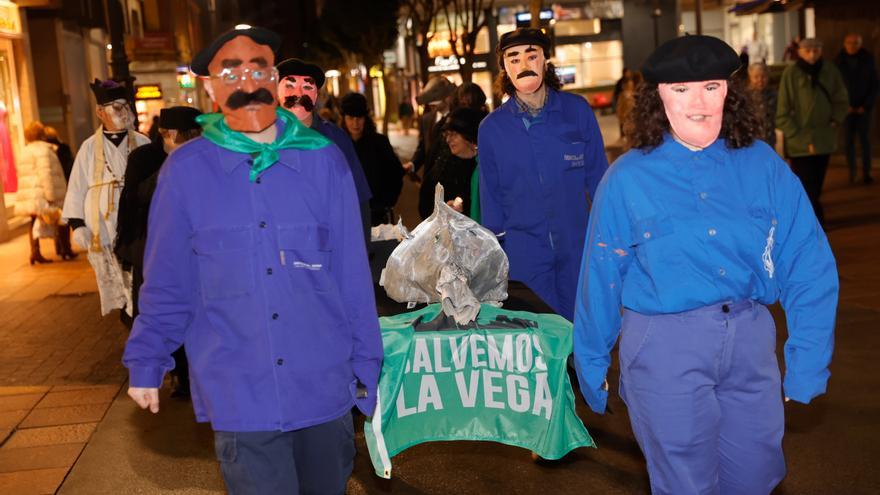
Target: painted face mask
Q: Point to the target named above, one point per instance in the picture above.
(298, 94)
(695, 110)
(525, 65)
(117, 116)
(243, 84)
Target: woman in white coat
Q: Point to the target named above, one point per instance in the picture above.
(41, 184)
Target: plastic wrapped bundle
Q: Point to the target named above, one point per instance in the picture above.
(450, 259)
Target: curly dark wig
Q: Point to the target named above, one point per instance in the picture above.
(647, 122)
(503, 84)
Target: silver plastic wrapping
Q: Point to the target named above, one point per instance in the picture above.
(450, 259)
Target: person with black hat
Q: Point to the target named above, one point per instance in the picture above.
(381, 164)
(298, 86)
(92, 201)
(541, 158)
(694, 232)
(255, 259)
(455, 169)
(176, 125)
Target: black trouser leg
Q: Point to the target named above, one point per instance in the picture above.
(811, 171)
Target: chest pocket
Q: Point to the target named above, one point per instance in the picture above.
(305, 255)
(651, 237)
(651, 228)
(225, 257)
(573, 156)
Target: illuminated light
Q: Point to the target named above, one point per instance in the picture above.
(243, 26)
(148, 92)
(332, 73)
(109, 46)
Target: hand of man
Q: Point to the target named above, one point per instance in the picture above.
(145, 397)
(408, 167)
(82, 236)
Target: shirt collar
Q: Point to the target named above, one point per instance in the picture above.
(552, 104)
(679, 153)
(230, 160)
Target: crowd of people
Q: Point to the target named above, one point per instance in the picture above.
(243, 237)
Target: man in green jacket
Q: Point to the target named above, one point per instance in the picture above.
(812, 103)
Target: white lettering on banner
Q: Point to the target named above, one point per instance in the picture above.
(539, 358)
(518, 393)
(542, 396)
(422, 359)
(459, 353)
(524, 353)
(402, 410)
(490, 389)
(438, 354)
(468, 392)
(501, 360)
(477, 351)
(429, 393)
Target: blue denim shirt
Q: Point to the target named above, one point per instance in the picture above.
(673, 230)
(266, 283)
(537, 176)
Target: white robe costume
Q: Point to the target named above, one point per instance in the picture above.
(93, 196)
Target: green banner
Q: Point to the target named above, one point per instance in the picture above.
(501, 379)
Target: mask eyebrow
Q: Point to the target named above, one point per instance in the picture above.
(228, 63)
(260, 61)
(531, 49)
(511, 54)
(309, 80)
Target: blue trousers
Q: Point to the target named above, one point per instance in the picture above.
(312, 461)
(704, 396)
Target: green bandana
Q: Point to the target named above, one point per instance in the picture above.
(295, 135)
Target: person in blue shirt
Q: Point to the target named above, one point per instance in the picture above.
(694, 231)
(541, 158)
(255, 259)
(298, 86)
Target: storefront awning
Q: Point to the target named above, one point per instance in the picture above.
(765, 6)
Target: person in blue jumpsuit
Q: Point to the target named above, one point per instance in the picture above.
(298, 86)
(694, 232)
(541, 158)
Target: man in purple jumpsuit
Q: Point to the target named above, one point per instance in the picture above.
(255, 260)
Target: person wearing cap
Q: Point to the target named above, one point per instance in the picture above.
(455, 170)
(298, 86)
(436, 97)
(812, 104)
(255, 259)
(381, 164)
(856, 65)
(92, 201)
(541, 158)
(694, 232)
(176, 125)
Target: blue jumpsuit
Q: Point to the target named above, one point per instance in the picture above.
(693, 245)
(537, 177)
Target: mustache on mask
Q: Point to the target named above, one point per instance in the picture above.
(304, 100)
(526, 73)
(240, 98)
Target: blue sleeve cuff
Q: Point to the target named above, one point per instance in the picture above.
(801, 388)
(146, 376)
(367, 372)
(591, 380)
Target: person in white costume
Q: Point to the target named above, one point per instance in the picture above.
(96, 181)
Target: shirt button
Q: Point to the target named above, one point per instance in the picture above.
(704, 195)
(262, 225)
(279, 362)
(274, 316)
(268, 271)
(722, 272)
(712, 232)
(647, 235)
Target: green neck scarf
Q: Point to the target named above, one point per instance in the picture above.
(295, 136)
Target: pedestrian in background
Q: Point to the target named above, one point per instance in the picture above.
(381, 164)
(65, 156)
(812, 104)
(763, 100)
(541, 158)
(41, 188)
(860, 75)
(627, 99)
(693, 233)
(405, 112)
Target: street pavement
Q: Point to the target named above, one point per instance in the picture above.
(60, 372)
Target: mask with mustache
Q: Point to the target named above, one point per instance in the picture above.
(299, 94)
(249, 105)
(525, 65)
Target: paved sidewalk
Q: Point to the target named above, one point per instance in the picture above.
(59, 367)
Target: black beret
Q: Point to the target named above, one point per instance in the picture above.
(297, 67)
(354, 105)
(465, 121)
(260, 36)
(524, 36)
(179, 118)
(108, 91)
(691, 58)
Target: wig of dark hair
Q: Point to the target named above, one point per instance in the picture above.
(469, 95)
(647, 123)
(503, 84)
